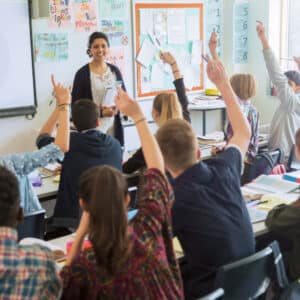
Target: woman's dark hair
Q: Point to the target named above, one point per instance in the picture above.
(102, 190)
(96, 35)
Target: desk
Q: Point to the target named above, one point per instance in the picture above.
(205, 106)
(48, 189)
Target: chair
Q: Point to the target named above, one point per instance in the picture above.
(293, 164)
(250, 277)
(33, 225)
(217, 294)
(263, 163)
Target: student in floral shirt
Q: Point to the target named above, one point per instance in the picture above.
(132, 260)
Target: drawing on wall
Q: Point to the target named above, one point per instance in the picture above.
(50, 47)
(213, 21)
(85, 15)
(116, 30)
(174, 28)
(116, 56)
(113, 9)
(240, 32)
(59, 13)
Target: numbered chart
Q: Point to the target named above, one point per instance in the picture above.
(240, 32)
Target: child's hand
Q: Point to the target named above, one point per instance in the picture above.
(216, 72)
(213, 43)
(108, 111)
(128, 106)
(167, 57)
(260, 29)
(61, 93)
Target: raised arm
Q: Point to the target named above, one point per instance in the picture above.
(213, 44)
(63, 100)
(239, 123)
(152, 153)
(297, 61)
(169, 59)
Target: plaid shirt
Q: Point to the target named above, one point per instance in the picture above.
(26, 272)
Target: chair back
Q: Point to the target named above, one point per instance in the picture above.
(250, 277)
(33, 225)
(217, 294)
(293, 164)
(263, 163)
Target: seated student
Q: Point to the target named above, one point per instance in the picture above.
(132, 260)
(209, 214)
(27, 272)
(24, 163)
(88, 147)
(284, 221)
(286, 119)
(244, 86)
(165, 107)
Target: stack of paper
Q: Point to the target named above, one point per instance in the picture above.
(211, 138)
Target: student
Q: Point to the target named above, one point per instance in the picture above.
(132, 260)
(93, 79)
(209, 214)
(244, 86)
(24, 163)
(88, 147)
(27, 272)
(165, 106)
(286, 119)
(284, 221)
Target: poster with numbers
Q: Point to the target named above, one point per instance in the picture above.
(240, 32)
(213, 21)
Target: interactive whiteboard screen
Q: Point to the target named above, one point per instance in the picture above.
(16, 76)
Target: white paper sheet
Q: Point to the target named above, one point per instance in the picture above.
(146, 53)
(157, 77)
(176, 26)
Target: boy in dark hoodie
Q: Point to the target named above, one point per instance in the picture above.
(88, 147)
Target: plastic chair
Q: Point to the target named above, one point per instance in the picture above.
(217, 294)
(33, 225)
(250, 277)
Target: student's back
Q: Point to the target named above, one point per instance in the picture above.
(89, 147)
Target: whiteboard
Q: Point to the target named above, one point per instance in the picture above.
(16, 63)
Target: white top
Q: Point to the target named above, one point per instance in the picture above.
(99, 85)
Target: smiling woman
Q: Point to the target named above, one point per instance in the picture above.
(96, 80)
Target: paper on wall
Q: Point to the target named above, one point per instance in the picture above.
(147, 21)
(196, 52)
(157, 77)
(85, 15)
(59, 13)
(192, 28)
(146, 53)
(176, 26)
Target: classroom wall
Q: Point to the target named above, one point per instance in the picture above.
(18, 134)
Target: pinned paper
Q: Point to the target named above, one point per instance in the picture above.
(59, 13)
(85, 15)
(196, 52)
(147, 53)
(113, 9)
(176, 26)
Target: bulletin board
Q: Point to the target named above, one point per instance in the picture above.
(168, 26)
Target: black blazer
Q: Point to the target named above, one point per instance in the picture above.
(82, 90)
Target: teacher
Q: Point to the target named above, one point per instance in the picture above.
(94, 79)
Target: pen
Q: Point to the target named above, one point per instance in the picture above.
(204, 58)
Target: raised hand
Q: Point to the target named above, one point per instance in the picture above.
(260, 29)
(216, 72)
(61, 93)
(297, 61)
(167, 57)
(128, 106)
(212, 44)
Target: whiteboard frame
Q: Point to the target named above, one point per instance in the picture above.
(29, 110)
(134, 2)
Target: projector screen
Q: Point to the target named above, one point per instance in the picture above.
(17, 85)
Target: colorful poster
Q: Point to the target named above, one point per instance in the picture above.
(240, 32)
(116, 30)
(85, 15)
(59, 13)
(116, 56)
(51, 47)
(113, 9)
